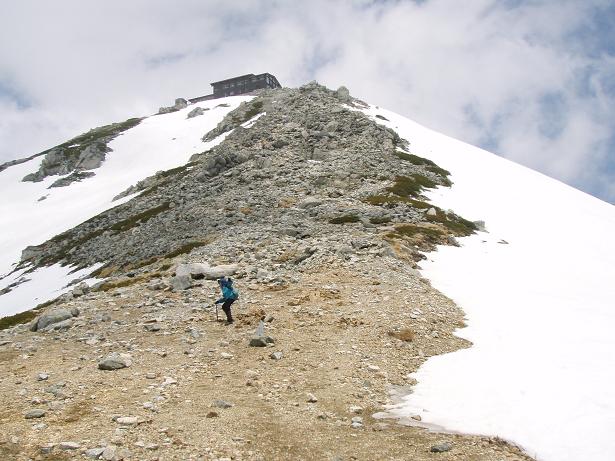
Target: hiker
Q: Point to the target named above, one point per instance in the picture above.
(229, 296)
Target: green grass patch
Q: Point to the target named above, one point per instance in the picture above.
(406, 186)
(390, 201)
(456, 224)
(140, 218)
(17, 319)
(349, 218)
(187, 248)
(380, 219)
(428, 164)
(412, 230)
(255, 108)
(126, 282)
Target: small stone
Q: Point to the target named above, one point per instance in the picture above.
(261, 341)
(276, 355)
(151, 446)
(94, 453)
(152, 327)
(47, 448)
(168, 381)
(441, 447)
(226, 355)
(212, 414)
(69, 446)
(311, 398)
(378, 427)
(356, 409)
(115, 361)
(108, 453)
(222, 404)
(33, 414)
(373, 368)
(127, 420)
(151, 376)
(42, 377)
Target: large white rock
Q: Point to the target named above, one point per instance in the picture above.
(204, 270)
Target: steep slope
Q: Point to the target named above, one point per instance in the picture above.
(320, 213)
(33, 212)
(538, 290)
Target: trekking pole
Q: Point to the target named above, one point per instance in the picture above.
(217, 320)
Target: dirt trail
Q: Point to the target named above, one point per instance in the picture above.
(339, 362)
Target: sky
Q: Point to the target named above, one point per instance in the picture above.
(530, 80)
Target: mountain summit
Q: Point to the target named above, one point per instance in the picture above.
(323, 209)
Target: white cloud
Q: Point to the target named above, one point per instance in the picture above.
(475, 70)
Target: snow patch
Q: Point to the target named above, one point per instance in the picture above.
(158, 143)
(45, 284)
(541, 371)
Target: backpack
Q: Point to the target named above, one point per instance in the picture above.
(228, 292)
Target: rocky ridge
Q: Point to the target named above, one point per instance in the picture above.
(317, 212)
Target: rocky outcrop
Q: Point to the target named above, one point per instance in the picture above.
(180, 103)
(196, 112)
(78, 155)
(55, 319)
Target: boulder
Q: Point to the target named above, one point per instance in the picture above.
(180, 103)
(204, 270)
(196, 112)
(115, 361)
(261, 341)
(51, 317)
(181, 282)
(342, 94)
(59, 326)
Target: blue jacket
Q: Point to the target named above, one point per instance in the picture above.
(227, 294)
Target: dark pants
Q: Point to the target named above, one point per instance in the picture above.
(226, 307)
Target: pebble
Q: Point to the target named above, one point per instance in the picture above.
(373, 368)
(222, 404)
(276, 355)
(311, 398)
(37, 413)
(127, 420)
(69, 446)
(42, 377)
(356, 422)
(94, 453)
(356, 409)
(441, 447)
(108, 453)
(226, 355)
(168, 381)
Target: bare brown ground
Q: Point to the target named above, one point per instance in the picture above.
(334, 328)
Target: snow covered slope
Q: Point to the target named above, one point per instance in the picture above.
(539, 292)
(158, 143)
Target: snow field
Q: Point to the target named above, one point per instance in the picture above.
(159, 142)
(541, 371)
